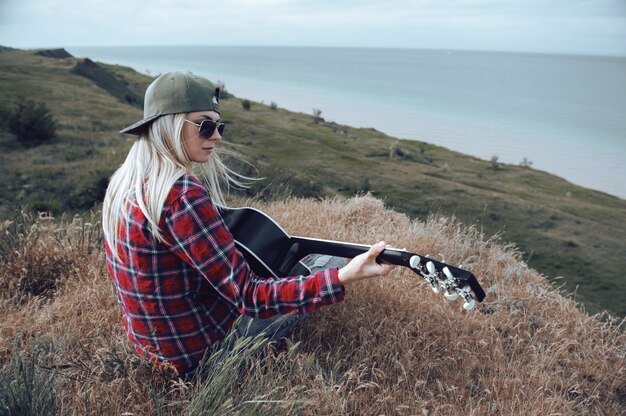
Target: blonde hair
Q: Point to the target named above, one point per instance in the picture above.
(154, 163)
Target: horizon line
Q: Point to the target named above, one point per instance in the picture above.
(433, 49)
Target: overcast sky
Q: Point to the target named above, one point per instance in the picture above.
(561, 26)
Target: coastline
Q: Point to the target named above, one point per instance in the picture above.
(569, 153)
(559, 228)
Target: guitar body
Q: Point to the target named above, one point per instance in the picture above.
(270, 251)
(263, 243)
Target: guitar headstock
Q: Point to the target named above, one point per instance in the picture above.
(454, 281)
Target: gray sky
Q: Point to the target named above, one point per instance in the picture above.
(561, 26)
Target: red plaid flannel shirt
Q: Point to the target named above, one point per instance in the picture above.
(181, 297)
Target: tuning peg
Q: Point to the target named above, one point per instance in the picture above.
(469, 305)
(431, 278)
(414, 262)
(449, 285)
(466, 293)
(450, 296)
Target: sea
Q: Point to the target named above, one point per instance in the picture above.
(564, 114)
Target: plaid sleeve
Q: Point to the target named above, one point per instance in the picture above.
(198, 235)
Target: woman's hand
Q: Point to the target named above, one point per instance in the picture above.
(364, 266)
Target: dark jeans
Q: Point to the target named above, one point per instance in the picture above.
(273, 329)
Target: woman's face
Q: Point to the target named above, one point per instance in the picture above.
(198, 148)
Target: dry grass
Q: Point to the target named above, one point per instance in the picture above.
(393, 347)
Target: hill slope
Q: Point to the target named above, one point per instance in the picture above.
(393, 347)
(562, 229)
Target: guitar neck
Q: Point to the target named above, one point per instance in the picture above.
(302, 246)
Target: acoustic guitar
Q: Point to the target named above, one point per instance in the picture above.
(270, 251)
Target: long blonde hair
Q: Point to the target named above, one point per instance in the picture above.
(154, 163)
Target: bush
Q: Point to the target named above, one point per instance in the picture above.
(526, 163)
(317, 116)
(246, 105)
(25, 387)
(495, 165)
(395, 151)
(90, 192)
(32, 123)
(243, 377)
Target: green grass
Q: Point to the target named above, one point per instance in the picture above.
(562, 229)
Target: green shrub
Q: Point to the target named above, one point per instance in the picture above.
(317, 116)
(25, 387)
(495, 165)
(32, 123)
(242, 378)
(526, 163)
(90, 192)
(395, 151)
(246, 105)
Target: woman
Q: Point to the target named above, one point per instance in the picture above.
(179, 279)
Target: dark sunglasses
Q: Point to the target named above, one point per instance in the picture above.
(207, 127)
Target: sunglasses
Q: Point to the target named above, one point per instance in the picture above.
(207, 127)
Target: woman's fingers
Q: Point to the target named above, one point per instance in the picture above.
(384, 267)
(377, 248)
(365, 266)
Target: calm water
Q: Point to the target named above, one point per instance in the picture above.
(566, 114)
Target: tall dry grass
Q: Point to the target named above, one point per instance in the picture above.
(393, 347)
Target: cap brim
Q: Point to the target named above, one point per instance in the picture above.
(139, 126)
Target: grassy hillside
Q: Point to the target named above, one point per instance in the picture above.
(393, 347)
(561, 229)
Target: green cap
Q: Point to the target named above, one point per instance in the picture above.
(176, 92)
